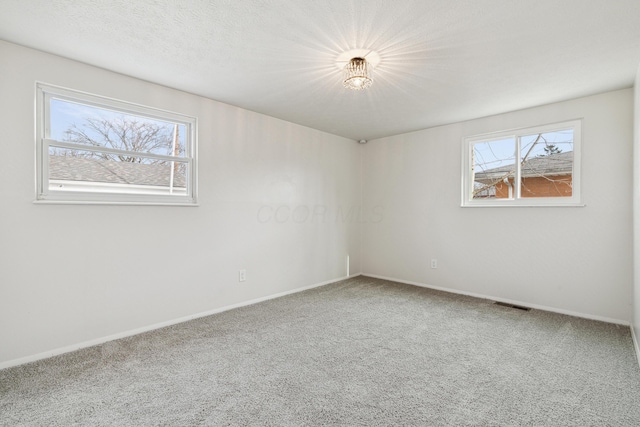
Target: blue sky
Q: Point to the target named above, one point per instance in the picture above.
(64, 114)
(501, 152)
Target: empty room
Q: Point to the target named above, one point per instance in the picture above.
(329, 212)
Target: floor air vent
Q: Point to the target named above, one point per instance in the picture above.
(518, 307)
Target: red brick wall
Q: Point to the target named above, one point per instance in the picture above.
(557, 186)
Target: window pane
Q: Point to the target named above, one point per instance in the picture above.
(101, 127)
(79, 170)
(493, 169)
(547, 164)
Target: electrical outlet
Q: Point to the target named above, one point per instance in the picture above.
(434, 263)
(242, 275)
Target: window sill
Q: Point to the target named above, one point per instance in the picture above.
(524, 205)
(109, 202)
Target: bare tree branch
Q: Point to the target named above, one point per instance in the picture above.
(122, 133)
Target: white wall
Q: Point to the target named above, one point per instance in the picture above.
(635, 327)
(576, 260)
(71, 274)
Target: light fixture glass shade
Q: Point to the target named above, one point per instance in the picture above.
(357, 75)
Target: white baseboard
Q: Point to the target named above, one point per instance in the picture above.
(509, 301)
(102, 340)
(636, 343)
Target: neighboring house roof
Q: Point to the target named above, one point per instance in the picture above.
(67, 168)
(551, 165)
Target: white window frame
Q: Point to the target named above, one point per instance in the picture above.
(467, 159)
(96, 193)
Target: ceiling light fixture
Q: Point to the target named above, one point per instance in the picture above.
(357, 74)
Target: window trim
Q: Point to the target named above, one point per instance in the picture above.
(467, 148)
(44, 93)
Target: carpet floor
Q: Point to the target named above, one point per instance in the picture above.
(360, 352)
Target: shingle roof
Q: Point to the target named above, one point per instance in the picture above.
(552, 165)
(93, 170)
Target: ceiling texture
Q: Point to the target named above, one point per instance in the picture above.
(440, 61)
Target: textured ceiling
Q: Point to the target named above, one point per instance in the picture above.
(441, 61)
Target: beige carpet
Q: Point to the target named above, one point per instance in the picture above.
(361, 352)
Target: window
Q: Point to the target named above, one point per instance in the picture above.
(97, 150)
(530, 167)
